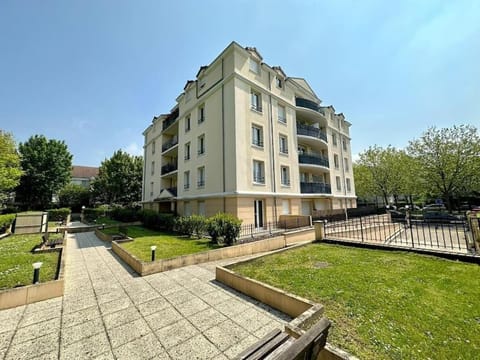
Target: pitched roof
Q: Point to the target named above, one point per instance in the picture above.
(84, 171)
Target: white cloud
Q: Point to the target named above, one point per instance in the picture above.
(134, 149)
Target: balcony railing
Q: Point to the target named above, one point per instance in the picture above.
(172, 190)
(170, 119)
(259, 179)
(313, 159)
(315, 188)
(312, 105)
(169, 144)
(201, 183)
(312, 131)
(169, 168)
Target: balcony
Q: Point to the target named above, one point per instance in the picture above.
(315, 188)
(169, 144)
(314, 159)
(169, 168)
(170, 119)
(311, 131)
(305, 103)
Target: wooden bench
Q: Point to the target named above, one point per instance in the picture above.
(279, 345)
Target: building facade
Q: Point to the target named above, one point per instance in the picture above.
(246, 139)
(83, 175)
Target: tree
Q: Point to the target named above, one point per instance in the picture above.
(119, 180)
(449, 160)
(74, 197)
(47, 166)
(10, 171)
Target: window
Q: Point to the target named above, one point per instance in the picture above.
(187, 123)
(201, 177)
(151, 189)
(254, 66)
(345, 164)
(187, 151)
(335, 161)
(257, 136)
(349, 186)
(258, 172)
(283, 144)
(153, 147)
(256, 101)
(201, 114)
(282, 114)
(303, 177)
(186, 180)
(334, 139)
(153, 167)
(201, 208)
(201, 145)
(344, 144)
(279, 82)
(187, 208)
(339, 184)
(285, 207)
(285, 175)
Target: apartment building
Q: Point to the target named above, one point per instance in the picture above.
(247, 139)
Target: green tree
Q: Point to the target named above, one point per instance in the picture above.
(10, 171)
(47, 166)
(74, 197)
(119, 180)
(449, 160)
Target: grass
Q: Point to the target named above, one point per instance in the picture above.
(16, 261)
(107, 221)
(168, 245)
(384, 305)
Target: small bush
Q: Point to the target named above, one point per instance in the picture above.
(58, 214)
(156, 221)
(213, 228)
(199, 225)
(90, 215)
(224, 225)
(184, 225)
(123, 230)
(5, 222)
(10, 210)
(125, 214)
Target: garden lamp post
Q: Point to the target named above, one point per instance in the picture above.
(36, 271)
(153, 248)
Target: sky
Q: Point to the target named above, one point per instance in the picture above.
(95, 73)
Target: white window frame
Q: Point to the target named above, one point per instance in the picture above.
(334, 139)
(256, 100)
(344, 144)
(257, 135)
(254, 66)
(345, 164)
(201, 114)
(188, 123)
(201, 145)
(187, 151)
(338, 183)
(283, 144)
(201, 177)
(186, 180)
(151, 188)
(258, 172)
(282, 119)
(285, 175)
(336, 161)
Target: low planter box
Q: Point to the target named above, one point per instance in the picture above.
(36, 292)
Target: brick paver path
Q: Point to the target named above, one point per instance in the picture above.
(108, 312)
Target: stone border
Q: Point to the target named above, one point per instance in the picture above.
(36, 292)
(273, 243)
(305, 312)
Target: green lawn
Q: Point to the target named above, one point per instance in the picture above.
(168, 245)
(384, 305)
(16, 261)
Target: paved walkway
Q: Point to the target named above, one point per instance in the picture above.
(108, 312)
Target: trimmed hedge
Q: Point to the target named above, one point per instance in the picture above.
(90, 214)
(156, 221)
(58, 214)
(125, 214)
(5, 222)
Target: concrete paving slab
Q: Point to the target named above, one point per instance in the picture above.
(109, 312)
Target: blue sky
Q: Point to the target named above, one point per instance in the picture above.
(94, 73)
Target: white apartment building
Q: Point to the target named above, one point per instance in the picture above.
(246, 139)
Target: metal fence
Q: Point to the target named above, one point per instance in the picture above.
(250, 231)
(380, 229)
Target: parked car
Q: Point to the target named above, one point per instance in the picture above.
(434, 207)
(440, 217)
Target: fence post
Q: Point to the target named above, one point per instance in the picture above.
(361, 228)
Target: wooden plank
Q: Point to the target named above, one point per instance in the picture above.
(270, 347)
(250, 351)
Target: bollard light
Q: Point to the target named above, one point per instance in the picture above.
(153, 248)
(36, 271)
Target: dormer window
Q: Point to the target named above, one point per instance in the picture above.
(254, 66)
(279, 82)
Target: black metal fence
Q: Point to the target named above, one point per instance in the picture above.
(267, 229)
(452, 236)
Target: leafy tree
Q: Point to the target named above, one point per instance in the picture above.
(74, 196)
(449, 160)
(10, 170)
(47, 166)
(119, 180)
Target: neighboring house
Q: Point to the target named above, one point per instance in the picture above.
(83, 175)
(246, 139)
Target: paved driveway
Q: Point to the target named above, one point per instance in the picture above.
(108, 312)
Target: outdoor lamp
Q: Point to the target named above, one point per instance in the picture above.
(153, 248)
(36, 271)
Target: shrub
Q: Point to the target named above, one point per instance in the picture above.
(184, 225)
(156, 221)
(224, 225)
(198, 225)
(90, 215)
(5, 222)
(58, 214)
(125, 214)
(10, 210)
(122, 229)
